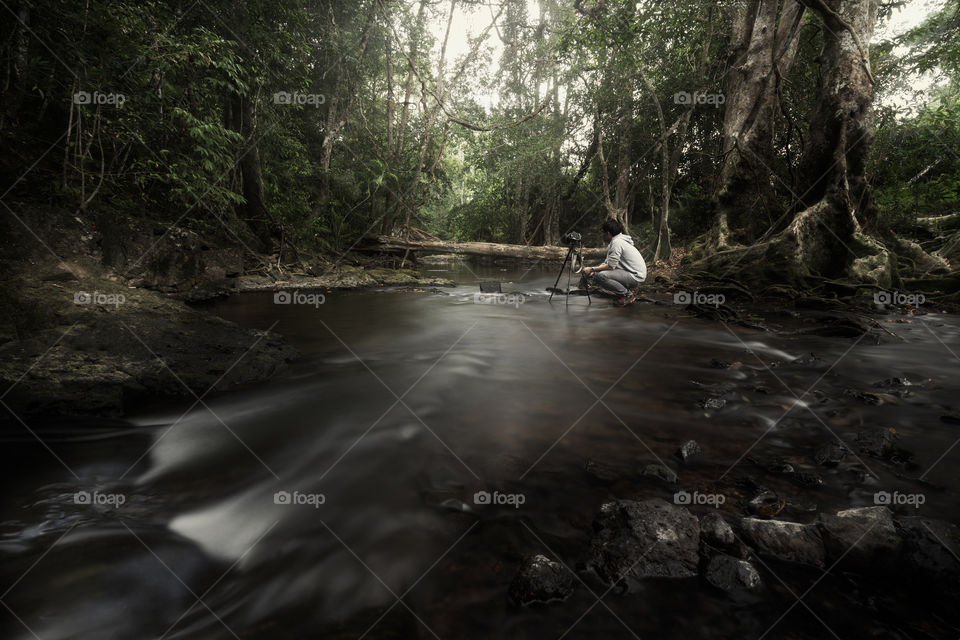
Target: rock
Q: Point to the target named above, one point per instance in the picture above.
(864, 396)
(892, 383)
(780, 467)
(640, 539)
(865, 537)
(660, 471)
(931, 548)
(713, 403)
(807, 479)
(715, 530)
(602, 472)
(800, 543)
(689, 449)
(540, 579)
(878, 443)
(831, 454)
(729, 573)
(767, 504)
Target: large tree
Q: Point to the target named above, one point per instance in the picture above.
(830, 228)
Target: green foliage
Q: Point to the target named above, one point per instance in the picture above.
(368, 156)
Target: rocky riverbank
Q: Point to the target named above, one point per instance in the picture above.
(638, 540)
(94, 315)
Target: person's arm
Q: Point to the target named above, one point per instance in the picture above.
(602, 267)
(613, 255)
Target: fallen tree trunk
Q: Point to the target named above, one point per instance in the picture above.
(374, 242)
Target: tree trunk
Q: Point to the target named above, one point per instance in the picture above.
(389, 220)
(254, 210)
(766, 34)
(337, 106)
(388, 243)
(828, 231)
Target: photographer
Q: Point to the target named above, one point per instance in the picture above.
(623, 269)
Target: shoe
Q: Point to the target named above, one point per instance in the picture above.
(623, 301)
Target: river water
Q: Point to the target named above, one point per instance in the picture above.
(340, 499)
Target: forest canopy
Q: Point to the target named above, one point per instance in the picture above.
(316, 123)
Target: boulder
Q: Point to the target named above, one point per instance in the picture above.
(729, 573)
(714, 530)
(866, 537)
(790, 541)
(540, 579)
(652, 538)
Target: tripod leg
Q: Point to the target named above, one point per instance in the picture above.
(559, 275)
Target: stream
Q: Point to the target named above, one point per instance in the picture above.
(340, 500)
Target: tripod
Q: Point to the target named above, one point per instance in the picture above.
(569, 262)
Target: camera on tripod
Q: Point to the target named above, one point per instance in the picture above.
(573, 263)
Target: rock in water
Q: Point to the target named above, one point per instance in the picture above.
(831, 454)
(640, 539)
(601, 472)
(715, 530)
(689, 449)
(728, 573)
(540, 579)
(767, 504)
(660, 471)
(878, 443)
(801, 543)
(866, 537)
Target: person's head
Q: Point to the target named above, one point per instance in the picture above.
(610, 228)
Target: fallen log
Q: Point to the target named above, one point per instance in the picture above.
(374, 242)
